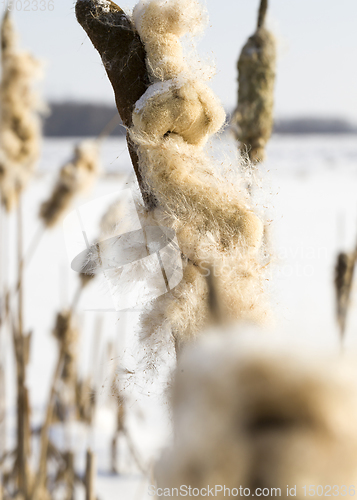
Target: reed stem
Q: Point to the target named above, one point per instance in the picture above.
(262, 13)
(90, 475)
(23, 431)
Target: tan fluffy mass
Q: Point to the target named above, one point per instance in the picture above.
(252, 414)
(161, 24)
(213, 218)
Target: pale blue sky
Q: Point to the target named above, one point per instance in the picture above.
(317, 66)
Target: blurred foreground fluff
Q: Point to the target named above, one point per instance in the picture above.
(215, 222)
(250, 412)
(20, 129)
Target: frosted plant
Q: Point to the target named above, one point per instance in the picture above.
(254, 413)
(19, 124)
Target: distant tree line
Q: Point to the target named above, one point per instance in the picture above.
(311, 125)
(68, 119)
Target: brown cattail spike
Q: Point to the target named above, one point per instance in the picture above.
(344, 272)
(19, 125)
(253, 119)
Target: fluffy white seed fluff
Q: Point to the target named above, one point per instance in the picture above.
(215, 224)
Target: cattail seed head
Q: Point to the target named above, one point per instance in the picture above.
(253, 118)
(74, 178)
(213, 219)
(20, 129)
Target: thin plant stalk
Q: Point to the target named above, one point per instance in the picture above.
(44, 440)
(262, 13)
(90, 475)
(23, 431)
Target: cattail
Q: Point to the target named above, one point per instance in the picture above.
(253, 118)
(248, 412)
(85, 400)
(213, 220)
(67, 335)
(344, 271)
(75, 177)
(20, 129)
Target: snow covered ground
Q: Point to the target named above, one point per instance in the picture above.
(309, 187)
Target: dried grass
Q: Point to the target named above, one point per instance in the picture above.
(253, 118)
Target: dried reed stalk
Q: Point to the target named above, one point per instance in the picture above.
(41, 476)
(19, 126)
(253, 119)
(19, 151)
(22, 346)
(121, 429)
(85, 400)
(65, 333)
(90, 475)
(70, 476)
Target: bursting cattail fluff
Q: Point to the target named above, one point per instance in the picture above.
(253, 118)
(74, 178)
(213, 219)
(250, 412)
(20, 129)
